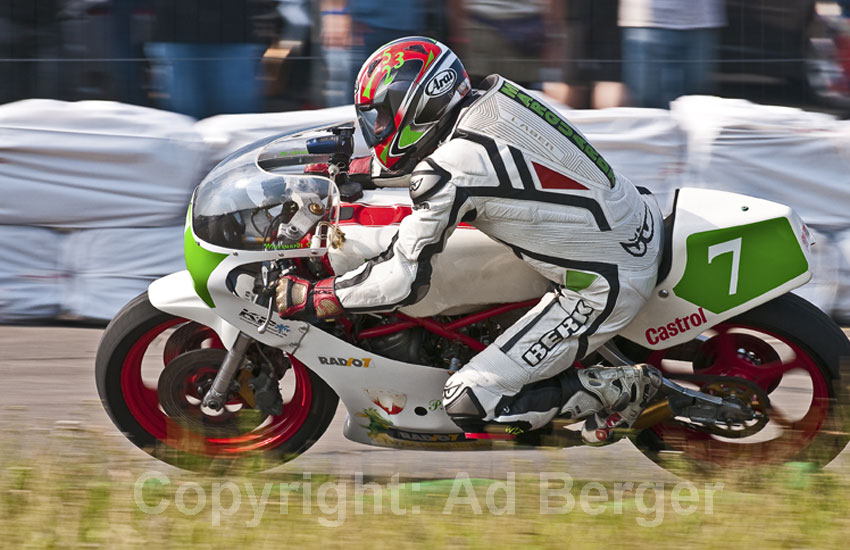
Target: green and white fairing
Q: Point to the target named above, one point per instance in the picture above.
(729, 253)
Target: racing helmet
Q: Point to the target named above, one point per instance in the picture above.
(402, 93)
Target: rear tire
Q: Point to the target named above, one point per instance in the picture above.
(817, 437)
(133, 406)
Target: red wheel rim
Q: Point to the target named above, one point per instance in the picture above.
(732, 352)
(143, 403)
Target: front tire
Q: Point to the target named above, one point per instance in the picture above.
(135, 348)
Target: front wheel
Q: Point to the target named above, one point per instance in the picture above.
(144, 347)
(807, 415)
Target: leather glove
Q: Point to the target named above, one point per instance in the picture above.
(299, 299)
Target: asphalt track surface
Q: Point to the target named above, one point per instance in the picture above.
(48, 382)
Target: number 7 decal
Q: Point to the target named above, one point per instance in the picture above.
(733, 246)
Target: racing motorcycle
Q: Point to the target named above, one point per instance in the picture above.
(201, 367)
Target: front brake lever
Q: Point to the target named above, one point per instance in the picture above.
(262, 328)
(268, 291)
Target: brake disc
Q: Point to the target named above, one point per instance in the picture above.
(182, 386)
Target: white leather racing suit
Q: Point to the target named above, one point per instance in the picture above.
(516, 170)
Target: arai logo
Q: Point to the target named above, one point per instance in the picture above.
(441, 83)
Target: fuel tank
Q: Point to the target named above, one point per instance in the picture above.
(472, 272)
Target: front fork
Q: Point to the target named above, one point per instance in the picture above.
(216, 397)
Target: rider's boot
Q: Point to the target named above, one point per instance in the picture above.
(623, 392)
(607, 395)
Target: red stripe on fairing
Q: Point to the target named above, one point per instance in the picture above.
(378, 216)
(365, 214)
(550, 179)
(484, 435)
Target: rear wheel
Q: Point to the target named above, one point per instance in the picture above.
(152, 370)
(807, 415)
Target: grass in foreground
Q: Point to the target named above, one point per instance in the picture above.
(68, 488)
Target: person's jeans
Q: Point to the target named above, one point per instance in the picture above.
(339, 84)
(660, 65)
(202, 80)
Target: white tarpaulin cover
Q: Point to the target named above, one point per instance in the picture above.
(31, 279)
(96, 164)
(108, 267)
(81, 274)
(122, 176)
(787, 155)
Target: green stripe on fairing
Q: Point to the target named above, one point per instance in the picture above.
(200, 263)
(770, 256)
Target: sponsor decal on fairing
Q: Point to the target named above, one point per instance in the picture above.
(677, 326)
(391, 402)
(278, 329)
(346, 361)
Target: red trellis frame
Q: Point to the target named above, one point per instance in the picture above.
(449, 330)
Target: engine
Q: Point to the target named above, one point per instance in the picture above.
(419, 346)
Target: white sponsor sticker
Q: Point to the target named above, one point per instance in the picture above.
(441, 83)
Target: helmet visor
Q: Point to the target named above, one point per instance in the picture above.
(377, 121)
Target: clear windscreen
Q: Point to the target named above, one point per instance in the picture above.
(266, 196)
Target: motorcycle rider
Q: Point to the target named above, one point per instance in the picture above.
(502, 160)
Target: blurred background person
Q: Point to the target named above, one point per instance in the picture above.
(206, 54)
(591, 56)
(353, 29)
(669, 48)
(29, 47)
(128, 69)
(521, 41)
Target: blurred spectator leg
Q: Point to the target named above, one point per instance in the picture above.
(607, 94)
(233, 84)
(339, 86)
(489, 51)
(47, 78)
(176, 77)
(126, 75)
(337, 39)
(17, 68)
(605, 45)
(374, 38)
(7, 67)
(700, 65)
(643, 67)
